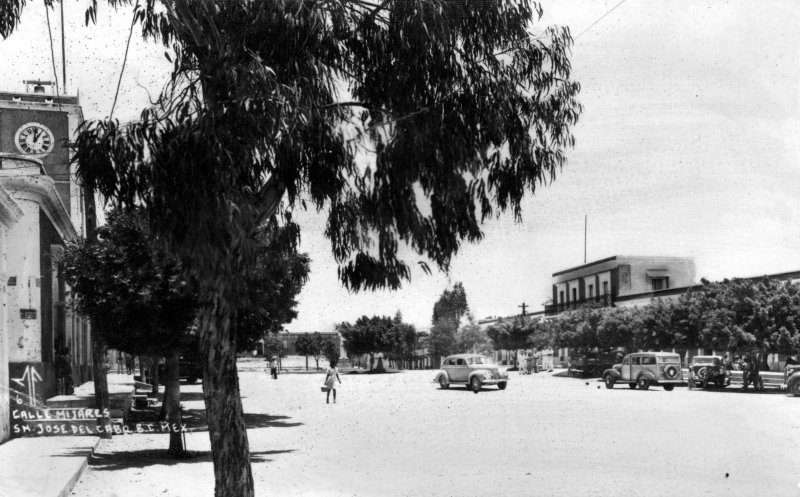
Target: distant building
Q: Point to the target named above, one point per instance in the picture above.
(617, 279)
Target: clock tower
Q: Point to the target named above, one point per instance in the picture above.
(39, 125)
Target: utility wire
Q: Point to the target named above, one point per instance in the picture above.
(124, 61)
(52, 53)
(600, 19)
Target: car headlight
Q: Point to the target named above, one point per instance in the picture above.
(487, 375)
(503, 373)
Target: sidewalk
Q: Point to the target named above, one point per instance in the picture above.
(43, 466)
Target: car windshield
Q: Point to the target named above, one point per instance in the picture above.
(670, 359)
(478, 360)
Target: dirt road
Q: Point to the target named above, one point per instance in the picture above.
(400, 435)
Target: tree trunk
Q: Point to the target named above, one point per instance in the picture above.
(316, 359)
(172, 402)
(101, 398)
(154, 374)
(230, 450)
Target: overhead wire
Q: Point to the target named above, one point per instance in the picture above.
(124, 61)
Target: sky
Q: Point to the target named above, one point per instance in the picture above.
(688, 146)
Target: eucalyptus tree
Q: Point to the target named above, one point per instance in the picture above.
(457, 107)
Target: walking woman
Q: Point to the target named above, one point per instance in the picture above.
(330, 381)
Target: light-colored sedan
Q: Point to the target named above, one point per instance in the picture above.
(472, 370)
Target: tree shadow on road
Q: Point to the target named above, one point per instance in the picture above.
(144, 458)
(195, 420)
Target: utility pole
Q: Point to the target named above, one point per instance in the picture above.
(524, 306)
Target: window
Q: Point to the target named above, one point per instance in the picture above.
(574, 294)
(591, 291)
(605, 288)
(660, 283)
(561, 297)
(635, 360)
(626, 361)
(648, 360)
(461, 363)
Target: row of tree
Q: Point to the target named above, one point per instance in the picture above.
(396, 340)
(745, 316)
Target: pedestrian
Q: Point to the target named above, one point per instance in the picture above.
(331, 377)
(536, 357)
(746, 372)
(273, 368)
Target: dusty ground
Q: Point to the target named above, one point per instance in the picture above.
(400, 435)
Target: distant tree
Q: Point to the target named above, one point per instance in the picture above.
(473, 338)
(330, 348)
(542, 334)
(578, 328)
(367, 336)
(442, 338)
(510, 335)
(451, 306)
(274, 346)
(401, 341)
(304, 346)
(617, 328)
(133, 293)
(656, 331)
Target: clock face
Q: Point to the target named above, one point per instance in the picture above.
(34, 139)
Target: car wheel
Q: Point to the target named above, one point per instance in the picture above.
(794, 388)
(475, 383)
(719, 382)
(609, 381)
(669, 388)
(642, 383)
(443, 382)
(597, 372)
(702, 372)
(191, 380)
(632, 385)
(502, 385)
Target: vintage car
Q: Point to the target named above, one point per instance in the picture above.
(471, 370)
(643, 369)
(792, 379)
(594, 364)
(708, 370)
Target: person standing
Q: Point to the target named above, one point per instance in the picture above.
(331, 376)
(273, 368)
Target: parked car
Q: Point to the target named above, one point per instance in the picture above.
(189, 369)
(471, 370)
(643, 369)
(792, 375)
(593, 364)
(709, 370)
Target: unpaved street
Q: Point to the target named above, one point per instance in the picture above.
(400, 435)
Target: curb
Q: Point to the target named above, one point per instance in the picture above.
(70, 484)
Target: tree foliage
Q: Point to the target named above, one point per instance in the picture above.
(472, 337)
(132, 291)
(272, 285)
(511, 335)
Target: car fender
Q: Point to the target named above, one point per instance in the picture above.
(613, 372)
(479, 373)
(792, 380)
(438, 375)
(647, 374)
